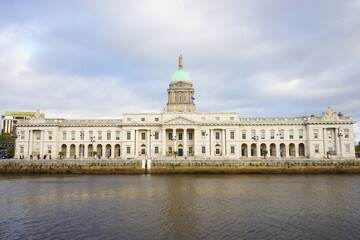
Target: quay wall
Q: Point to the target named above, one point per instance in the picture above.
(178, 166)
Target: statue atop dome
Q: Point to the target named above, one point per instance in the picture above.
(181, 62)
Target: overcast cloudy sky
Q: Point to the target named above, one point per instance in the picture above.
(99, 59)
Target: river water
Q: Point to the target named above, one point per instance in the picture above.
(180, 207)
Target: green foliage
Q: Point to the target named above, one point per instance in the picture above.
(264, 152)
(357, 148)
(7, 138)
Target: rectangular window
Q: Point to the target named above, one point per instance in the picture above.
(243, 134)
(291, 134)
(262, 134)
(180, 136)
(231, 118)
(82, 135)
(316, 133)
(73, 135)
(22, 135)
(156, 150)
(37, 135)
(99, 135)
(108, 136)
(64, 135)
(329, 133)
(203, 134)
(217, 135)
(169, 136)
(170, 150)
(156, 135)
(190, 136)
(190, 150)
(143, 137)
(143, 119)
(203, 118)
(203, 149)
(156, 119)
(128, 150)
(129, 119)
(128, 135)
(217, 118)
(316, 149)
(346, 133)
(232, 149)
(282, 134)
(49, 149)
(21, 149)
(50, 135)
(117, 135)
(301, 134)
(232, 135)
(347, 148)
(272, 134)
(217, 151)
(253, 134)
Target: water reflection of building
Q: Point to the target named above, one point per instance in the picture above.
(192, 134)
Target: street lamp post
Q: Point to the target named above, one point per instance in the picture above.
(92, 140)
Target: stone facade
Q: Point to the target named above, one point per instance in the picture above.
(193, 135)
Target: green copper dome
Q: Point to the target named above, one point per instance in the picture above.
(181, 75)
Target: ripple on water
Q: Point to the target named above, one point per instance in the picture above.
(181, 207)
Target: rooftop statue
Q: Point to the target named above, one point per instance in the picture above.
(181, 62)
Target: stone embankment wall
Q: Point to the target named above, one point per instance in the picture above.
(171, 167)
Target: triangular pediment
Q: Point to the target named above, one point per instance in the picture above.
(179, 120)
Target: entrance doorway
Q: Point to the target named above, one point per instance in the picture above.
(180, 152)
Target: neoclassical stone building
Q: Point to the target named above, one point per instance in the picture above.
(192, 134)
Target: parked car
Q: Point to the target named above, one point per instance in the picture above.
(6, 156)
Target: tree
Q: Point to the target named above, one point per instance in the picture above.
(94, 153)
(61, 154)
(264, 152)
(357, 148)
(328, 153)
(175, 154)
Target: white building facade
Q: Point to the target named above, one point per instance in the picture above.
(191, 134)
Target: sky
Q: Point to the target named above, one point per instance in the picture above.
(100, 59)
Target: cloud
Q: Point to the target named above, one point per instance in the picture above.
(90, 59)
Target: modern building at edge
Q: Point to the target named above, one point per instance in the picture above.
(192, 134)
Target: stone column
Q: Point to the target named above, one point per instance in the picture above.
(258, 150)
(31, 136)
(286, 153)
(174, 142)
(223, 152)
(41, 143)
(103, 150)
(67, 151)
(135, 143)
(248, 149)
(277, 150)
(148, 150)
(296, 150)
(185, 142)
(163, 147)
(113, 151)
(211, 133)
(77, 152)
(324, 141)
(86, 150)
(195, 145)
